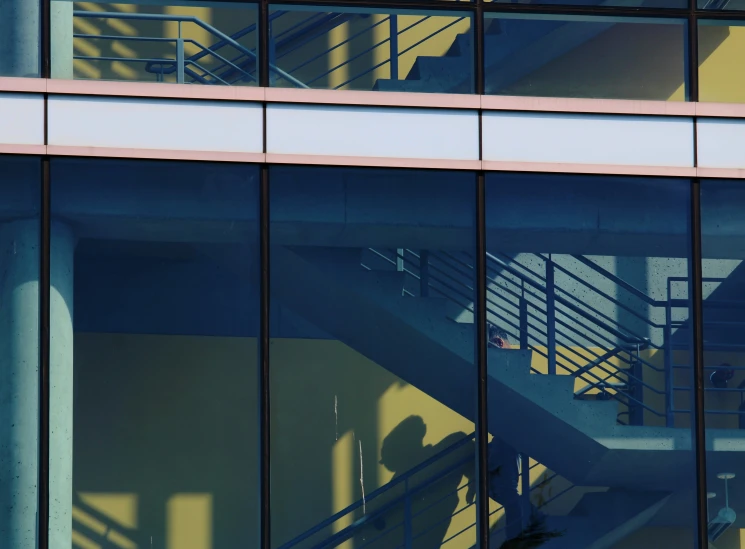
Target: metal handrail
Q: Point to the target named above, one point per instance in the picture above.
(376, 493)
(186, 19)
(599, 383)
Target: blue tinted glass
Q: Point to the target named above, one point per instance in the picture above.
(589, 360)
(583, 56)
(635, 4)
(207, 43)
(154, 376)
(373, 381)
(722, 238)
(370, 49)
(20, 183)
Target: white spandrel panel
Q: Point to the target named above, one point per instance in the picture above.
(159, 124)
(380, 132)
(721, 142)
(588, 139)
(21, 119)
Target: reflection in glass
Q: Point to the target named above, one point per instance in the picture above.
(722, 237)
(585, 56)
(589, 360)
(366, 49)
(157, 368)
(20, 179)
(373, 378)
(206, 43)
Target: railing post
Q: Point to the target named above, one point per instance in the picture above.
(400, 259)
(272, 54)
(525, 485)
(669, 374)
(636, 411)
(550, 317)
(393, 20)
(408, 535)
(180, 57)
(523, 323)
(423, 273)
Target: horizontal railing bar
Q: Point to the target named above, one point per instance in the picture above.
(124, 38)
(600, 292)
(340, 44)
(185, 19)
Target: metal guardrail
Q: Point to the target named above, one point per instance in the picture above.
(180, 61)
(540, 314)
(230, 70)
(406, 525)
(403, 481)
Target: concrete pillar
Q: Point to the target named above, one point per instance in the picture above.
(19, 385)
(19, 38)
(20, 42)
(61, 39)
(61, 387)
(19, 382)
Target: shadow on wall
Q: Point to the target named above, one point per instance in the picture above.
(442, 491)
(166, 434)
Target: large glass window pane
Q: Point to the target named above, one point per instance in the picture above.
(20, 182)
(721, 53)
(20, 44)
(154, 376)
(589, 361)
(373, 379)
(714, 5)
(722, 239)
(149, 41)
(634, 4)
(585, 56)
(370, 49)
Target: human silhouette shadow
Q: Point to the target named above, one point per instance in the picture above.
(433, 506)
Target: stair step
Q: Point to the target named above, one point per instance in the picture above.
(448, 68)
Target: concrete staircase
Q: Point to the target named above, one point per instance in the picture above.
(538, 414)
(513, 49)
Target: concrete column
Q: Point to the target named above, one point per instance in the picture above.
(61, 387)
(19, 385)
(19, 38)
(20, 41)
(19, 382)
(61, 39)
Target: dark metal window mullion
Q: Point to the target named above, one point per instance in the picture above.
(482, 418)
(45, 64)
(264, 390)
(699, 415)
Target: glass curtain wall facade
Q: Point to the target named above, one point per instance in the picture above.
(209, 355)
(552, 48)
(156, 336)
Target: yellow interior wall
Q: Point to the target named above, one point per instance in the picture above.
(166, 442)
(348, 42)
(720, 79)
(166, 438)
(229, 19)
(328, 400)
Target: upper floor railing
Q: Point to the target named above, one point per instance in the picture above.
(585, 321)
